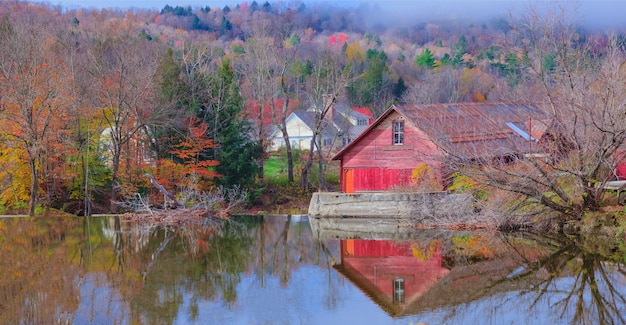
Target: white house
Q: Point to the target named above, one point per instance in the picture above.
(340, 126)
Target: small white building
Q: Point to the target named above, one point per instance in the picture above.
(340, 126)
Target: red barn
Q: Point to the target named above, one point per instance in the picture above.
(405, 138)
(395, 274)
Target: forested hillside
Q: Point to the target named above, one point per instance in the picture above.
(91, 100)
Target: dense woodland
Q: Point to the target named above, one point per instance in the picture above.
(92, 100)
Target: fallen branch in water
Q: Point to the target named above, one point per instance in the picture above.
(193, 206)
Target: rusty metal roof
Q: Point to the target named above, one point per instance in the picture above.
(472, 129)
(478, 128)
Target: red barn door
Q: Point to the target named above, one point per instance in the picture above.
(349, 181)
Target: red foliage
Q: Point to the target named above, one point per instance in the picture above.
(253, 110)
(340, 39)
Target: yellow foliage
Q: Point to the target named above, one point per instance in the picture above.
(424, 255)
(462, 182)
(354, 52)
(424, 177)
(15, 176)
(472, 246)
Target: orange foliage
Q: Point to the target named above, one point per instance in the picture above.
(478, 97)
(189, 151)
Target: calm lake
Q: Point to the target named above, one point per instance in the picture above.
(274, 270)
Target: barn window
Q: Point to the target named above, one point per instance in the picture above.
(398, 290)
(398, 132)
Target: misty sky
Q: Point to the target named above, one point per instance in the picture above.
(595, 13)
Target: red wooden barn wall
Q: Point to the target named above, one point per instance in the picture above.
(379, 262)
(377, 164)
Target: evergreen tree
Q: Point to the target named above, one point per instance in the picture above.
(425, 59)
(364, 91)
(171, 93)
(267, 7)
(460, 49)
(399, 89)
(236, 152)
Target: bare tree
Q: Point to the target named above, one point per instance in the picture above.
(123, 87)
(266, 66)
(325, 85)
(256, 65)
(582, 88)
(284, 58)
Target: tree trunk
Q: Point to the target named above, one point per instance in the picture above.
(114, 179)
(289, 152)
(33, 186)
(263, 151)
(85, 174)
(289, 164)
(321, 182)
(304, 174)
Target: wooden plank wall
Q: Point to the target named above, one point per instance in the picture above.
(380, 165)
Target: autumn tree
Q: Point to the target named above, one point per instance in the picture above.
(191, 149)
(123, 86)
(85, 171)
(447, 84)
(34, 88)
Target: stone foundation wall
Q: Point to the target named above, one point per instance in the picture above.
(393, 205)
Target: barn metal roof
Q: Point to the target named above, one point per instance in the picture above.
(474, 129)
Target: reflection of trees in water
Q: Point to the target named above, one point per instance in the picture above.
(282, 246)
(194, 262)
(37, 286)
(591, 263)
(155, 271)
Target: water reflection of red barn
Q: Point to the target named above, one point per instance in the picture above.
(393, 273)
(377, 267)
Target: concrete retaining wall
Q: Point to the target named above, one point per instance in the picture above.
(402, 205)
(373, 212)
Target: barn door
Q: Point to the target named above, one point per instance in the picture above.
(349, 181)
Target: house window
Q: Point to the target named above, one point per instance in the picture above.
(361, 122)
(398, 133)
(328, 142)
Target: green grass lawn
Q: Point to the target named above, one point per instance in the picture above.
(274, 167)
(275, 171)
